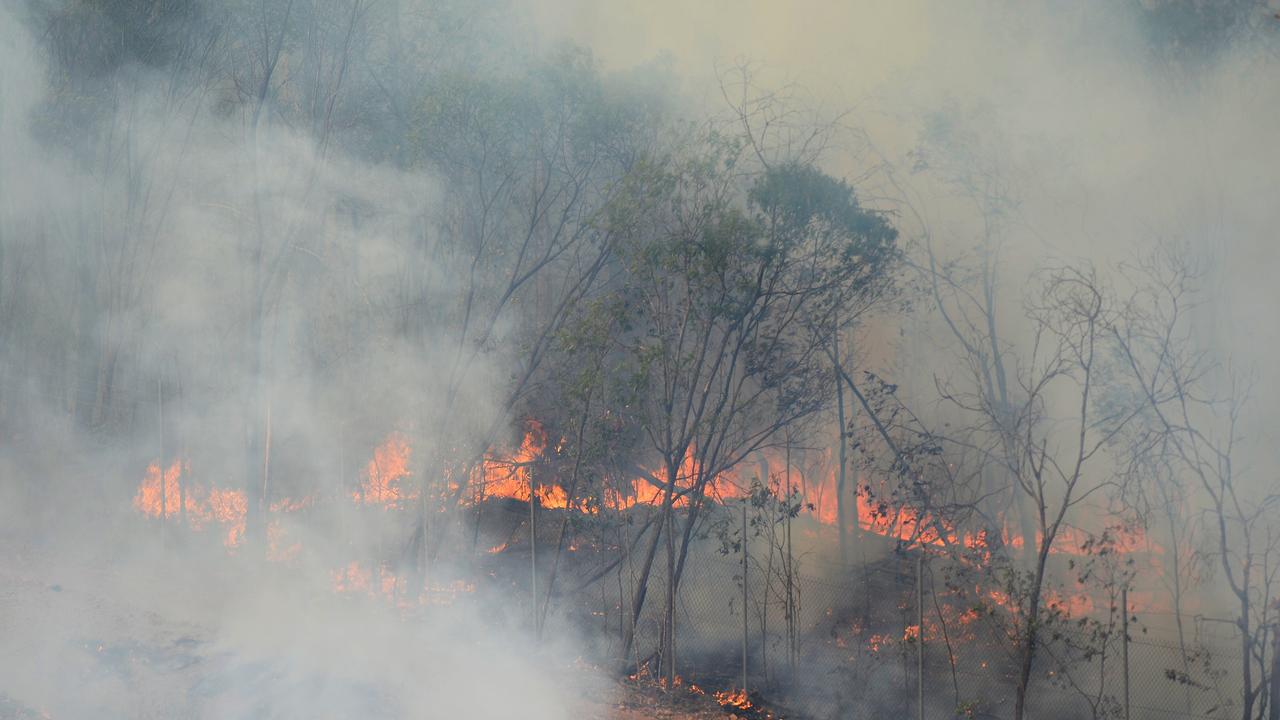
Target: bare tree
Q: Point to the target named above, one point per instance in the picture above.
(1193, 408)
(1050, 441)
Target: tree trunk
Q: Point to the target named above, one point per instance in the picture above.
(255, 408)
(533, 560)
(164, 491)
(745, 628)
(920, 634)
(1273, 693)
(642, 582)
(1031, 635)
(788, 560)
(1246, 656)
(564, 518)
(106, 378)
(1124, 640)
(842, 518)
(669, 613)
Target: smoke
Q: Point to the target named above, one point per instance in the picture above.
(1054, 133)
(1102, 128)
(1060, 131)
(159, 214)
(175, 640)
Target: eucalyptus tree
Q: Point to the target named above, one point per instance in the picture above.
(730, 292)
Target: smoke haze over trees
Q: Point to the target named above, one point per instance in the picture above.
(506, 321)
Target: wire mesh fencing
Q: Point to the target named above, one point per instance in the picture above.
(882, 639)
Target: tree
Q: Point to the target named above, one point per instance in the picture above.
(1050, 440)
(731, 315)
(526, 229)
(1192, 408)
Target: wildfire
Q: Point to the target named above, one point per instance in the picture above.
(279, 549)
(1069, 605)
(1118, 539)
(169, 497)
(351, 579)
(385, 473)
(228, 507)
(512, 477)
(877, 641)
(288, 505)
(1003, 600)
(1075, 605)
(174, 495)
(650, 488)
(356, 579)
(531, 468)
(737, 699)
(445, 594)
(900, 523)
(157, 496)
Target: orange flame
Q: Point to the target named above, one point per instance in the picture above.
(385, 473)
(156, 497)
(355, 579)
(734, 699)
(203, 506)
(511, 477)
(279, 549)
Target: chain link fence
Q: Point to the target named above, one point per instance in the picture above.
(848, 645)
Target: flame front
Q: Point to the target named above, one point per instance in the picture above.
(532, 468)
(385, 474)
(157, 496)
(737, 699)
(168, 497)
(512, 477)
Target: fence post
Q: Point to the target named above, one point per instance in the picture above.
(533, 559)
(1124, 644)
(789, 565)
(744, 595)
(920, 634)
(164, 497)
(1273, 696)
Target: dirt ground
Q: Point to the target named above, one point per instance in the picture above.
(82, 639)
(630, 701)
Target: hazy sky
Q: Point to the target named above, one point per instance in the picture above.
(848, 47)
(1099, 151)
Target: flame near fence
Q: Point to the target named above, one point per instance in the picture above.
(858, 652)
(878, 639)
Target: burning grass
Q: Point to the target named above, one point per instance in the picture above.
(642, 696)
(497, 495)
(385, 484)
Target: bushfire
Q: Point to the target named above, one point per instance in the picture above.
(510, 475)
(531, 469)
(198, 505)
